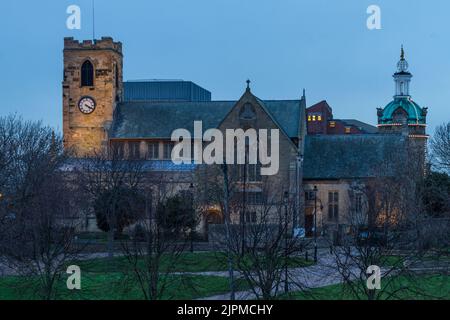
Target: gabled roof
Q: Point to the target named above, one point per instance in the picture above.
(147, 119)
(329, 157)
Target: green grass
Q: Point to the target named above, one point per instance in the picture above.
(115, 286)
(105, 279)
(422, 287)
(187, 262)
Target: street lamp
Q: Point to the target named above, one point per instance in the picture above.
(286, 285)
(191, 193)
(315, 223)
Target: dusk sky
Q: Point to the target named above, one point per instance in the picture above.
(282, 46)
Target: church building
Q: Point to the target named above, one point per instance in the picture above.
(320, 156)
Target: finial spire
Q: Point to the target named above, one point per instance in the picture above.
(248, 84)
(402, 54)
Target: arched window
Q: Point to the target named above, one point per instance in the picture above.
(87, 74)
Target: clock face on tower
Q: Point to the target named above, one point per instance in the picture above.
(87, 105)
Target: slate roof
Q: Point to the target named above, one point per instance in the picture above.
(152, 119)
(329, 157)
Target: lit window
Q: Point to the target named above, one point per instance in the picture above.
(348, 129)
(332, 124)
(314, 118)
(319, 118)
(309, 118)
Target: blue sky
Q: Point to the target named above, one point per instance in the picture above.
(282, 46)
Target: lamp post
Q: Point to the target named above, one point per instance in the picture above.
(191, 192)
(286, 284)
(315, 223)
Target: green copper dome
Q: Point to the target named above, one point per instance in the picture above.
(402, 106)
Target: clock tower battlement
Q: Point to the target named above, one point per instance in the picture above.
(92, 86)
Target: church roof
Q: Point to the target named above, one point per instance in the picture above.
(153, 119)
(414, 111)
(329, 157)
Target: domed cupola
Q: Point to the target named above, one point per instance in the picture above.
(402, 110)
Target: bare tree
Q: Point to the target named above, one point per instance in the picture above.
(257, 232)
(38, 232)
(159, 239)
(440, 146)
(384, 225)
(110, 183)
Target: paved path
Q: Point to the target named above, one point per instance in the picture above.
(319, 275)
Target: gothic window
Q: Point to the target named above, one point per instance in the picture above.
(87, 74)
(253, 173)
(168, 146)
(118, 149)
(309, 195)
(153, 150)
(333, 205)
(134, 150)
(358, 202)
(250, 217)
(254, 198)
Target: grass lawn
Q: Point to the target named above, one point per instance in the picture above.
(115, 286)
(423, 287)
(105, 279)
(188, 262)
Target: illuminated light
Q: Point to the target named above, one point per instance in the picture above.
(314, 118)
(319, 118)
(309, 118)
(332, 124)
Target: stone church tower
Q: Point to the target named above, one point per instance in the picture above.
(92, 86)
